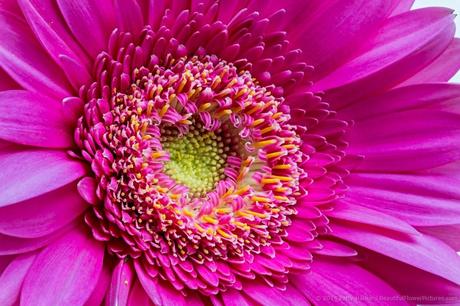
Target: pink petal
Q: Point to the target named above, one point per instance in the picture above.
(233, 297)
(33, 119)
(13, 245)
(122, 279)
(440, 70)
(26, 62)
(417, 199)
(129, 16)
(6, 82)
(75, 72)
(89, 21)
(402, 7)
(402, 276)
(423, 252)
(65, 272)
(440, 95)
(404, 45)
(353, 212)
(87, 189)
(13, 277)
(263, 294)
(446, 233)
(42, 215)
(335, 284)
(390, 142)
(331, 35)
(48, 25)
(99, 293)
(160, 292)
(138, 297)
(27, 174)
(335, 249)
(5, 261)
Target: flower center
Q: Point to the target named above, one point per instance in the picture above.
(196, 159)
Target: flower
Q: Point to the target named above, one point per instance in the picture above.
(228, 153)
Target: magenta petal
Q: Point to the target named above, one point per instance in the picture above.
(423, 252)
(65, 272)
(88, 22)
(33, 119)
(45, 20)
(446, 233)
(26, 62)
(100, 292)
(404, 45)
(138, 297)
(234, 297)
(27, 174)
(13, 245)
(420, 200)
(160, 292)
(390, 142)
(402, 7)
(440, 70)
(335, 249)
(341, 284)
(42, 215)
(438, 95)
(6, 82)
(352, 212)
(263, 294)
(13, 277)
(122, 279)
(75, 71)
(129, 15)
(328, 40)
(87, 189)
(402, 276)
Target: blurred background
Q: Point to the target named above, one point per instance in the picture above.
(454, 4)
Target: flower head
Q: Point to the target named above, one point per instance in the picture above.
(228, 153)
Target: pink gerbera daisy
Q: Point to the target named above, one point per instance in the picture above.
(232, 152)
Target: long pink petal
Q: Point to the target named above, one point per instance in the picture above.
(423, 252)
(402, 7)
(160, 292)
(65, 272)
(417, 199)
(13, 245)
(234, 297)
(13, 277)
(27, 174)
(402, 276)
(446, 233)
(6, 82)
(342, 284)
(42, 215)
(99, 293)
(263, 294)
(441, 69)
(390, 142)
(33, 119)
(138, 297)
(90, 22)
(353, 212)
(48, 25)
(25, 61)
(129, 16)
(404, 45)
(329, 37)
(438, 95)
(122, 280)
